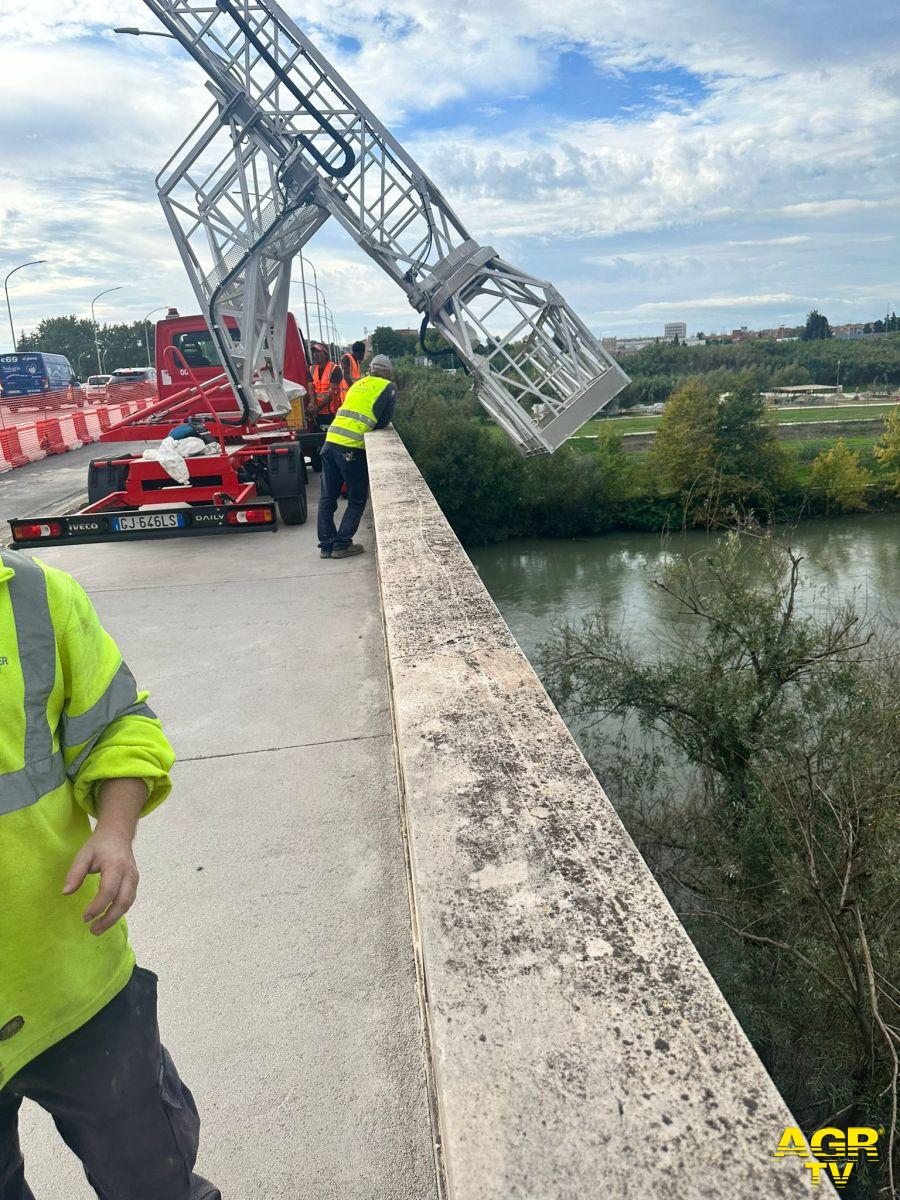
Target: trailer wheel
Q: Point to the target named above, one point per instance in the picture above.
(292, 509)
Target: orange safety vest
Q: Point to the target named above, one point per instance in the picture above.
(328, 398)
(355, 372)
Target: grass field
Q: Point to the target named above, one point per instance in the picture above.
(789, 416)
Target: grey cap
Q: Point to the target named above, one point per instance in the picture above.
(381, 362)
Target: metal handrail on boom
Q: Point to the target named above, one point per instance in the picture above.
(288, 145)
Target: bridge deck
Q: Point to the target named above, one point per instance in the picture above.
(273, 902)
(577, 1046)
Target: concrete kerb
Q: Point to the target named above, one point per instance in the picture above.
(579, 1046)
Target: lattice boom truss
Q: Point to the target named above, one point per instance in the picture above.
(288, 144)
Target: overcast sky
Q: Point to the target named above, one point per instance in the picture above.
(700, 160)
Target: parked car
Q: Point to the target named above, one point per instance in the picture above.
(95, 387)
(131, 383)
(130, 375)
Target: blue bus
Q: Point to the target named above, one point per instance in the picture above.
(32, 373)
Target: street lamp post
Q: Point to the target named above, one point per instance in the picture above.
(159, 308)
(32, 263)
(307, 333)
(144, 32)
(94, 323)
(320, 305)
(319, 292)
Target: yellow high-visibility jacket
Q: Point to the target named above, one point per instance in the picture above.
(70, 717)
(356, 416)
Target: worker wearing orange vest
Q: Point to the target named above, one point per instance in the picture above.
(351, 367)
(326, 385)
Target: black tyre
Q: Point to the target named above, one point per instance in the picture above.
(292, 509)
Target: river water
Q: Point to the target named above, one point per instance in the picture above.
(539, 584)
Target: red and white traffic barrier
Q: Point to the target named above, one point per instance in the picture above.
(57, 429)
(56, 435)
(11, 452)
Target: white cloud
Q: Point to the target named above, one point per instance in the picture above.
(713, 303)
(831, 208)
(756, 194)
(797, 240)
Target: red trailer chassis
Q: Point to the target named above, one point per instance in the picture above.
(258, 471)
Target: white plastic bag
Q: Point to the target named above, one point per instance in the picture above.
(170, 454)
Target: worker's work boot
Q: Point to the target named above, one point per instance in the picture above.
(348, 551)
(325, 552)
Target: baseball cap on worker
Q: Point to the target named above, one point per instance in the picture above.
(380, 365)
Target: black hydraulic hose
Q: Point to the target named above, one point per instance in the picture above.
(437, 352)
(349, 156)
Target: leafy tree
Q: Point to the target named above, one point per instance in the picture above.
(474, 473)
(121, 345)
(684, 450)
(72, 336)
(817, 327)
(840, 475)
(767, 811)
(616, 465)
(393, 343)
(887, 451)
(790, 375)
(125, 345)
(749, 456)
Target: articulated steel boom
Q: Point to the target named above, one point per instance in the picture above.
(287, 144)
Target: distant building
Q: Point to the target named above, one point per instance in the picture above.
(810, 392)
(675, 329)
(633, 344)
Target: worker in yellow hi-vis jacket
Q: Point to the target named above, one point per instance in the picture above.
(78, 1031)
(369, 404)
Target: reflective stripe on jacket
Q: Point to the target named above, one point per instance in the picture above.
(356, 416)
(70, 717)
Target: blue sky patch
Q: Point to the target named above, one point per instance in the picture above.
(577, 89)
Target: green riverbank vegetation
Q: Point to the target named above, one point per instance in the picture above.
(709, 456)
(763, 794)
(657, 370)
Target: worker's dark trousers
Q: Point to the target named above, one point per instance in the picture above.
(117, 1101)
(338, 467)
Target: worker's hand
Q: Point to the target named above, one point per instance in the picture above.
(106, 853)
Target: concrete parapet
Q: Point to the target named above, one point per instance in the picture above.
(579, 1047)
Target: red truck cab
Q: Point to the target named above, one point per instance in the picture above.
(191, 337)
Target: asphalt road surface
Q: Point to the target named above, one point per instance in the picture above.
(273, 900)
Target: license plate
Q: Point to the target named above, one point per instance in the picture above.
(148, 521)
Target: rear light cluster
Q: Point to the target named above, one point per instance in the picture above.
(248, 516)
(47, 529)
